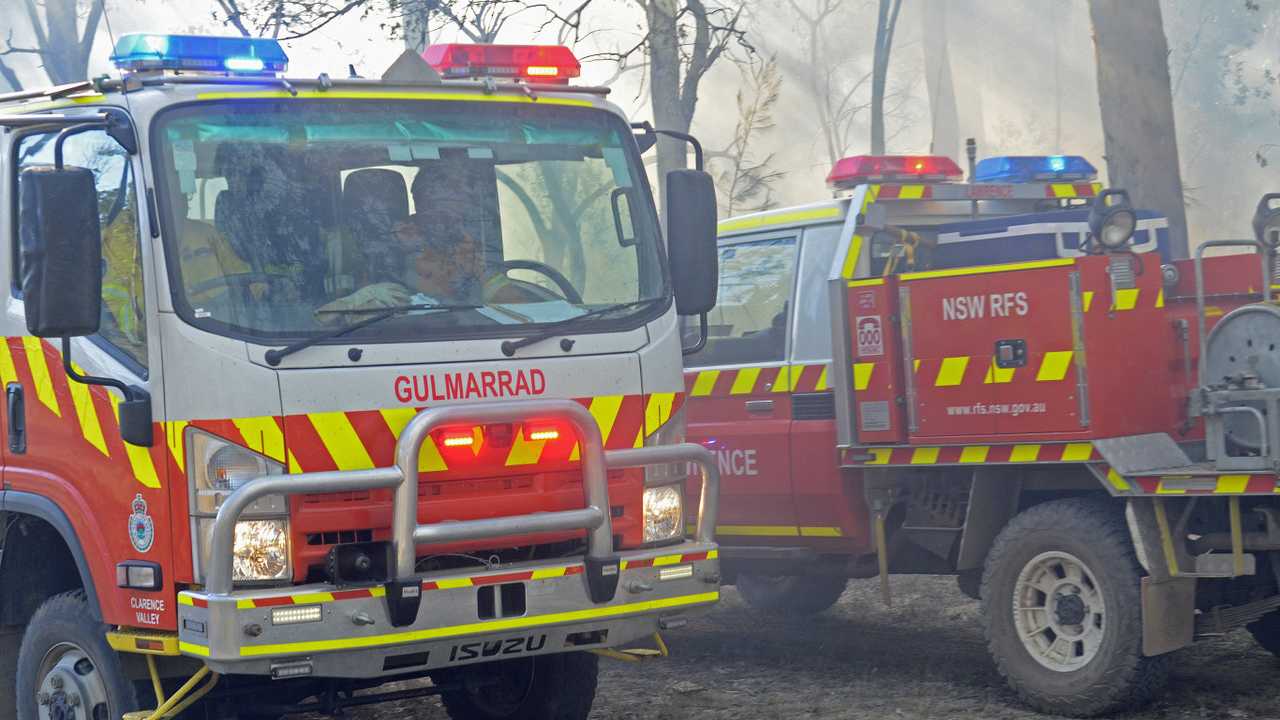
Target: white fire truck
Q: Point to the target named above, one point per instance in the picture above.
(323, 382)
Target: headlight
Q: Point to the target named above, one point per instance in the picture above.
(261, 550)
(663, 513)
(216, 468)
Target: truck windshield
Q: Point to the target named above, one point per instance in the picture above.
(287, 218)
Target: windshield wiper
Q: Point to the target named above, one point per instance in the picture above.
(509, 347)
(274, 356)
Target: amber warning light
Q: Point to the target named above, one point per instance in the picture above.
(531, 63)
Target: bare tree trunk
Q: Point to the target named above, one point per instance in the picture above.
(1137, 109)
(664, 86)
(945, 139)
(416, 26)
(887, 20)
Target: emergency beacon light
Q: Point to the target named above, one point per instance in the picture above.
(1032, 168)
(240, 55)
(531, 63)
(858, 169)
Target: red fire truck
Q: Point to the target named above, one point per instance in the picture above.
(315, 383)
(1005, 380)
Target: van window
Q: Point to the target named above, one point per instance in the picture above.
(812, 341)
(124, 324)
(749, 321)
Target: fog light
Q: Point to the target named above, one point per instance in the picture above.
(663, 513)
(280, 671)
(261, 550)
(296, 615)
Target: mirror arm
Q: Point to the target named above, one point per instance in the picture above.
(648, 129)
(68, 132)
(702, 337)
(129, 393)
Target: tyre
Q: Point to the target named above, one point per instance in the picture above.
(795, 595)
(1266, 630)
(66, 670)
(545, 687)
(1062, 609)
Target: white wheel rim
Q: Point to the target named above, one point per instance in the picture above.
(1058, 611)
(70, 687)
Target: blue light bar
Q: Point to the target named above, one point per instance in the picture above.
(1032, 168)
(240, 55)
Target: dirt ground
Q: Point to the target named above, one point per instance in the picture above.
(922, 658)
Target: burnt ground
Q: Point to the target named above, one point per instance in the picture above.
(922, 658)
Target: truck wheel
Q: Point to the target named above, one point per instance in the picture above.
(66, 670)
(1266, 630)
(795, 595)
(1062, 606)
(546, 687)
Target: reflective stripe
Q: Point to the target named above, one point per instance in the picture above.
(341, 440)
(745, 381)
(1117, 481)
(781, 218)
(1024, 453)
(987, 269)
(1087, 298)
(86, 414)
(974, 454)
(1126, 298)
(924, 456)
(174, 432)
(861, 375)
(262, 435)
(524, 452)
(821, 532)
(997, 374)
(658, 411)
(384, 95)
(951, 372)
(40, 373)
(1076, 452)
(429, 459)
(822, 379)
(1054, 366)
(1232, 484)
(759, 530)
(144, 470)
(705, 383)
(8, 374)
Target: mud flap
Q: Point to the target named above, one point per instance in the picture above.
(1168, 614)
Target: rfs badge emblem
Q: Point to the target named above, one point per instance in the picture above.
(142, 529)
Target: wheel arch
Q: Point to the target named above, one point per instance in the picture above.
(40, 508)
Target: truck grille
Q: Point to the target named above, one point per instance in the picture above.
(813, 406)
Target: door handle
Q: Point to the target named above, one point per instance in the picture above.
(16, 418)
(759, 406)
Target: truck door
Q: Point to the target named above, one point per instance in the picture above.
(738, 403)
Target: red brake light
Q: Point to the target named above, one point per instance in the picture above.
(534, 63)
(871, 168)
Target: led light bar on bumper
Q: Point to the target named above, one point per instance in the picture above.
(150, 51)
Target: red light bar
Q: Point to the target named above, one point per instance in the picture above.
(859, 169)
(532, 63)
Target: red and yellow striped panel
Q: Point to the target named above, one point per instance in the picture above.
(968, 454)
(1248, 484)
(756, 380)
(499, 578)
(961, 370)
(363, 439)
(905, 192)
(1072, 190)
(664, 560)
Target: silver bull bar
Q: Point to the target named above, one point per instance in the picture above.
(406, 533)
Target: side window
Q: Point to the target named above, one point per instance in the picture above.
(749, 321)
(123, 309)
(812, 341)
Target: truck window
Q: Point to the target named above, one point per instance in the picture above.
(812, 327)
(749, 321)
(124, 324)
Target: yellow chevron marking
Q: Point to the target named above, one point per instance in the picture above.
(861, 375)
(547, 573)
(745, 381)
(1171, 489)
(1213, 311)
(915, 366)
(524, 452)
(880, 456)
(785, 382)
(924, 456)
(144, 470)
(705, 383)
(911, 192)
(605, 410)
(312, 598)
(1160, 298)
(658, 411)
(294, 467)
(452, 583)
(974, 454)
(997, 374)
(759, 530)
(822, 379)
(639, 441)
(8, 373)
(1232, 484)
(851, 257)
(1063, 190)
(262, 435)
(40, 373)
(1117, 481)
(667, 560)
(1024, 453)
(1054, 366)
(341, 440)
(429, 459)
(174, 432)
(184, 599)
(1076, 452)
(1126, 299)
(86, 414)
(1087, 298)
(951, 371)
(821, 532)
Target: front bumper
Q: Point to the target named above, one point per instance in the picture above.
(550, 611)
(419, 621)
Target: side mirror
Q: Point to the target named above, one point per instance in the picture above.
(691, 240)
(61, 248)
